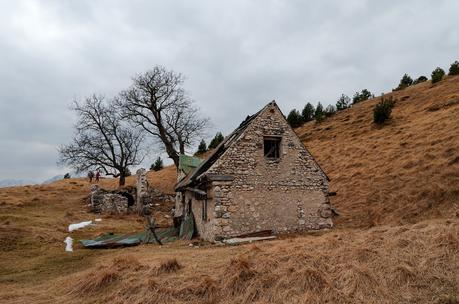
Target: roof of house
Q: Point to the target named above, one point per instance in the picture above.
(220, 149)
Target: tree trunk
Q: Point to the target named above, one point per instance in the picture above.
(122, 179)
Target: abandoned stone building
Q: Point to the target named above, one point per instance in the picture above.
(260, 178)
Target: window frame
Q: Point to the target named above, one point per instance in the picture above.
(273, 138)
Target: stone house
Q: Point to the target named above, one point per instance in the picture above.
(261, 177)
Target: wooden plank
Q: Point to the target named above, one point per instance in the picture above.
(218, 177)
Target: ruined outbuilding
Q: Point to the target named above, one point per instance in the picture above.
(260, 178)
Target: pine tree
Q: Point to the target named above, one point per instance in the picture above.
(437, 75)
(157, 165)
(308, 112)
(294, 118)
(330, 110)
(343, 102)
(405, 82)
(420, 79)
(202, 148)
(218, 138)
(319, 113)
(362, 96)
(454, 68)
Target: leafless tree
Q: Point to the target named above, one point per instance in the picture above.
(157, 103)
(102, 140)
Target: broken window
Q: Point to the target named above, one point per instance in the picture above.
(271, 146)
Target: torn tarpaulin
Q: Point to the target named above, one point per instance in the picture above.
(164, 235)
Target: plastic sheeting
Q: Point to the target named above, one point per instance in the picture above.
(111, 240)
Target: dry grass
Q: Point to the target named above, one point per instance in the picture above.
(402, 180)
(168, 266)
(403, 172)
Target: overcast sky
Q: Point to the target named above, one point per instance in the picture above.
(236, 55)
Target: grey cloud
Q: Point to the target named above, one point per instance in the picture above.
(236, 55)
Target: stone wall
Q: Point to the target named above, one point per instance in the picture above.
(286, 194)
(143, 194)
(103, 201)
(147, 196)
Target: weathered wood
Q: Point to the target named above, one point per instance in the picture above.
(199, 191)
(217, 177)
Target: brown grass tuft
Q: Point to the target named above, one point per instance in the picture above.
(126, 262)
(168, 266)
(96, 281)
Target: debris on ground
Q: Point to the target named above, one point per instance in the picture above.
(69, 244)
(151, 235)
(79, 225)
(235, 241)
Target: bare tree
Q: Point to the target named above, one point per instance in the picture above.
(102, 140)
(157, 103)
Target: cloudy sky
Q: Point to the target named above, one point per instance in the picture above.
(236, 56)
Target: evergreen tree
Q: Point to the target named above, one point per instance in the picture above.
(218, 138)
(420, 79)
(437, 75)
(202, 147)
(405, 82)
(308, 112)
(343, 102)
(319, 113)
(454, 68)
(362, 96)
(294, 118)
(382, 111)
(157, 165)
(330, 110)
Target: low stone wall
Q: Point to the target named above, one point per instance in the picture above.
(103, 201)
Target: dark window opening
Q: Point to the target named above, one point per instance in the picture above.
(204, 210)
(272, 147)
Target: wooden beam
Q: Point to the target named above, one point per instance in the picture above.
(199, 191)
(218, 177)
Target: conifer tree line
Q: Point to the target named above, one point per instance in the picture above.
(296, 118)
(202, 148)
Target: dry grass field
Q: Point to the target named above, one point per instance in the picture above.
(396, 240)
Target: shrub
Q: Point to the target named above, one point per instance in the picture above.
(362, 96)
(437, 75)
(308, 112)
(319, 112)
(202, 147)
(157, 165)
(420, 79)
(294, 118)
(218, 138)
(67, 176)
(454, 68)
(343, 102)
(382, 111)
(405, 82)
(330, 110)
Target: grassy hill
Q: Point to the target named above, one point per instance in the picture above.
(402, 172)
(396, 240)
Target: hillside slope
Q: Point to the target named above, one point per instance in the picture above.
(404, 171)
(386, 177)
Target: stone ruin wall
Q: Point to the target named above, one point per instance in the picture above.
(284, 195)
(103, 201)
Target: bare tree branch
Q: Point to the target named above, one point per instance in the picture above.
(102, 140)
(157, 104)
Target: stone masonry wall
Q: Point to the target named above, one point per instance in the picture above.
(287, 194)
